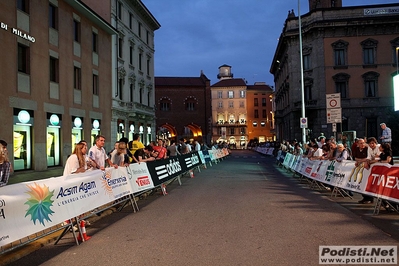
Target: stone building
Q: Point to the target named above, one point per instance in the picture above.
(346, 50)
(133, 96)
(229, 108)
(183, 108)
(56, 67)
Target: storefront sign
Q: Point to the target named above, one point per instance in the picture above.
(17, 32)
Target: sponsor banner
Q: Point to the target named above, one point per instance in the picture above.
(164, 170)
(139, 177)
(30, 207)
(384, 181)
(191, 160)
(203, 155)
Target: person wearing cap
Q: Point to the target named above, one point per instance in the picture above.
(386, 134)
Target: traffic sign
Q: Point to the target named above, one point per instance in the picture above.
(304, 122)
(334, 115)
(333, 100)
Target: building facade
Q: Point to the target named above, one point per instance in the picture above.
(260, 115)
(56, 79)
(183, 108)
(133, 95)
(346, 50)
(229, 109)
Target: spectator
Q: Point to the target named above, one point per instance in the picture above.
(183, 147)
(360, 153)
(76, 163)
(373, 150)
(172, 149)
(144, 154)
(161, 150)
(98, 155)
(118, 155)
(136, 144)
(342, 153)
(128, 155)
(386, 134)
(197, 146)
(5, 166)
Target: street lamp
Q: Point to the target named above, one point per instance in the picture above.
(302, 81)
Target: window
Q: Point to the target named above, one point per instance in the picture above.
(147, 37)
(131, 88)
(53, 69)
(23, 5)
(254, 124)
(256, 114)
(120, 47)
(256, 102)
(130, 21)
(220, 104)
(23, 59)
(148, 98)
(231, 94)
(242, 104)
(148, 67)
(242, 121)
(340, 51)
(341, 84)
(52, 17)
(131, 55)
(165, 106)
(262, 123)
(120, 89)
(264, 102)
(141, 95)
(308, 92)
(76, 31)
(306, 62)
(231, 119)
(95, 42)
(139, 29)
(220, 94)
(242, 94)
(95, 84)
(232, 131)
(140, 61)
(369, 51)
(190, 106)
(231, 104)
(77, 82)
(264, 115)
(119, 10)
(370, 84)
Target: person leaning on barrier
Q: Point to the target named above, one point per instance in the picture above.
(76, 163)
(342, 153)
(373, 150)
(360, 154)
(144, 154)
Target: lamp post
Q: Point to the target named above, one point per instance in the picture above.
(302, 81)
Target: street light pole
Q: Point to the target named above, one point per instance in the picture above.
(302, 81)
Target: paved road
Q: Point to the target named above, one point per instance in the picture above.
(242, 211)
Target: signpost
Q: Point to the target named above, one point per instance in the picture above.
(334, 110)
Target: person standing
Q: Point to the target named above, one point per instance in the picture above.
(172, 149)
(386, 134)
(136, 144)
(98, 155)
(5, 166)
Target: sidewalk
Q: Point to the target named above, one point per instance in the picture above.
(30, 175)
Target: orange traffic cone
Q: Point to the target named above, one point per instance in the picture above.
(191, 173)
(83, 236)
(163, 187)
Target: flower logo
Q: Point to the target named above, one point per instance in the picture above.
(39, 203)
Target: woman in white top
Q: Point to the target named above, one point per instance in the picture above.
(77, 162)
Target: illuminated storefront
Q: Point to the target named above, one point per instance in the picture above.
(23, 123)
(53, 139)
(77, 129)
(95, 130)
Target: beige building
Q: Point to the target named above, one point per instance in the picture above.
(229, 111)
(133, 95)
(350, 51)
(56, 75)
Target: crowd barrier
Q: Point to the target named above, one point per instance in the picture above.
(30, 207)
(381, 180)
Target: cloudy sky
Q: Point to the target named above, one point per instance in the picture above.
(202, 35)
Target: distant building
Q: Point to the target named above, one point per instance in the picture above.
(229, 110)
(56, 74)
(346, 50)
(133, 96)
(260, 112)
(183, 108)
